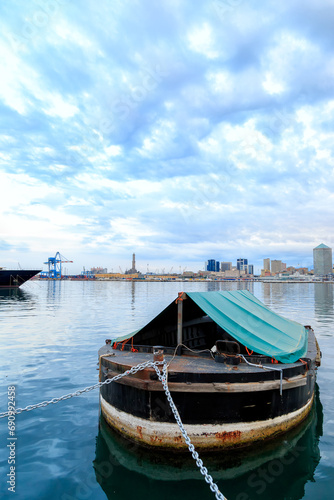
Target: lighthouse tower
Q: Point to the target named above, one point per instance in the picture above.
(133, 269)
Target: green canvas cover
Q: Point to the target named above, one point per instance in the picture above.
(242, 316)
(253, 324)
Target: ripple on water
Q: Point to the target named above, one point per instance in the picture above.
(52, 335)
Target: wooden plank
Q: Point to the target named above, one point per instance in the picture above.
(155, 385)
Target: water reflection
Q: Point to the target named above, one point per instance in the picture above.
(14, 294)
(54, 288)
(279, 469)
(323, 301)
(275, 293)
(133, 295)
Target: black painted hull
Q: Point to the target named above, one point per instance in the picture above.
(222, 405)
(209, 408)
(10, 278)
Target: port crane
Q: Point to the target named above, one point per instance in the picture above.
(54, 264)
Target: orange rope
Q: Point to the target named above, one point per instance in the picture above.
(123, 344)
(249, 352)
(115, 344)
(179, 298)
(132, 348)
(304, 363)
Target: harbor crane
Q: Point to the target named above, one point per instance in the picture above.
(54, 264)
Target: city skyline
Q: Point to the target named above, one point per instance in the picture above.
(172, 131)
(275, 265)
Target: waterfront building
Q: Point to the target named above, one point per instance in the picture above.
(266, 264)
(233, 273)
(119, 276)
(242, 264)
(211, 265)
(322, 260)
(265, 272)
(225, 266)
(302, 270)
(276, 266)
(98, 270)
(250, 269)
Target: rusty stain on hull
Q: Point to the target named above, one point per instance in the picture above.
(204, 436)
(139, 431)
(228, 436)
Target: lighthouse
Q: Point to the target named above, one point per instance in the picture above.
(133, 269)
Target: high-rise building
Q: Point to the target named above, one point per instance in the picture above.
(322, 260)
(217, 266)
(225, 266)
(250, 269)
(242, 264)
(266, 264)
(276, 266)
(211, 265)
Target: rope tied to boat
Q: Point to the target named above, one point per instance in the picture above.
(162, 376)
(267, 368)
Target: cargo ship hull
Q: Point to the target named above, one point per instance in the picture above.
(14, 278)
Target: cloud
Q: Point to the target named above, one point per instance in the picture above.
(187, 133)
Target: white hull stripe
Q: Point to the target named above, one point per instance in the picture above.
(207, 436)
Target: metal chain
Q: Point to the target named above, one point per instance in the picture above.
(204, 471)
(134, 369)
(163, 379)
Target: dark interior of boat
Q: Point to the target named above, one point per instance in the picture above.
(199, 331)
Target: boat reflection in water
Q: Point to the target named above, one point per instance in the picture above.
(278, 469)
(13, 293)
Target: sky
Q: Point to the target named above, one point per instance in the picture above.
(179, 130)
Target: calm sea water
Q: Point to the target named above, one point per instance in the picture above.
(50, 335)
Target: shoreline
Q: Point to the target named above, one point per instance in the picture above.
(187, 280)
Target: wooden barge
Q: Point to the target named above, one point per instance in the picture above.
(238, 373)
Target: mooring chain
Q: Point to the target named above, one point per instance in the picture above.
(134, 369)
(163, 379)
(204, 471)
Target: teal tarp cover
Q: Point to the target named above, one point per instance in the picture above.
(253, 324)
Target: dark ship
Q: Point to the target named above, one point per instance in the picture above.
(13, 278)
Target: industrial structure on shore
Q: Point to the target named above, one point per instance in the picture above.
(213, 270)
(54, 271)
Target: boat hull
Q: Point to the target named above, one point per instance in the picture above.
(10, 278)
(208, 437)
(220, 405)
